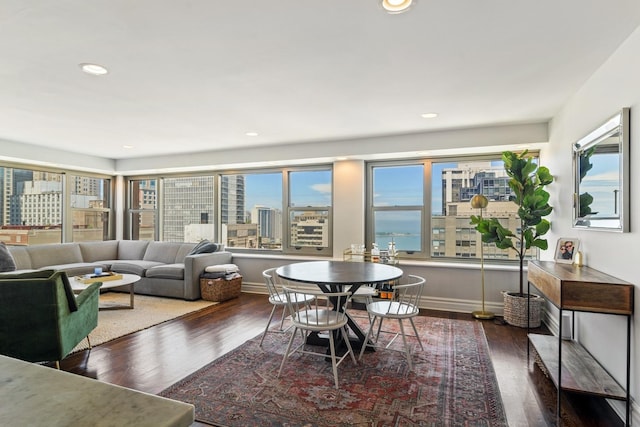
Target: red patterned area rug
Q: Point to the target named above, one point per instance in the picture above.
(452, 384)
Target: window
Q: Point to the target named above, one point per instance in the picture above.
(46, 206)
(143, 205)
(453, 185)
(397, 207)
(252, 210)
(285, 210)
(424, 206)
(309, 211)
(32, 206)
(90, 207)
(188, 209)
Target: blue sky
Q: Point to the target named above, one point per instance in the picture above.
(308, 188)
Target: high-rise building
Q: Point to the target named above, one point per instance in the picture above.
(40, 203)
(187, 201)
(12, 184)
(460, 184)
(452, 234)
(269, 222)
(310, 229)
(232, 210)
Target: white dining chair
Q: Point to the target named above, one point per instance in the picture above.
(327, 315)
(403, 305)
(278, 299)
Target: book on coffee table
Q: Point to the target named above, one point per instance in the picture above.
(104, 277)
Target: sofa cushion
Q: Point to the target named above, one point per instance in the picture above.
(183, 251)
(54, 254)
(165, 252)
(7, 263)
(132, 266)
(204, 247)
(132, 249)
(21, 257)
(167, 271)
(99, 251)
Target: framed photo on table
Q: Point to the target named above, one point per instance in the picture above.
(566, 249)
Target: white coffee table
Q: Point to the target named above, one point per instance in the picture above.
(127, 280)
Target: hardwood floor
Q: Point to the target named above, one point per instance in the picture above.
(153, 359)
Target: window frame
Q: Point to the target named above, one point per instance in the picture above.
(285, 208)
(66, 223)
(130, 211)
(109, 209)
(371, 209)
(428, 236)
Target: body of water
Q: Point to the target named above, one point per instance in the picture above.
(404, 242)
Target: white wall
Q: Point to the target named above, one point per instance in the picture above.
(614, 86)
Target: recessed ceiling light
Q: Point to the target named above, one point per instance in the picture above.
(396, 6)
(251, 133)
(94, 69)
(429, 115)
(127, 146)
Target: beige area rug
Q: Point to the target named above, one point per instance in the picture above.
(148, 311)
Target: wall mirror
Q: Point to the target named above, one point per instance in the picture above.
(601, 176)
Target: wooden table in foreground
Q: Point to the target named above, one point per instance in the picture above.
(34, 395)
(581, 289)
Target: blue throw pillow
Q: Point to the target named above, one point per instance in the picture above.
(204, 247)
(7, 263)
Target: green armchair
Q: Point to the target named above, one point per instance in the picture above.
(40, 317)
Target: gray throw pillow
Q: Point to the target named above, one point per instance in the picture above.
(204, 247)
(7, 263)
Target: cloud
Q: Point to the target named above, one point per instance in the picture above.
(322, 188)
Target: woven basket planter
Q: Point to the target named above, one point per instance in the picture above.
(219, 290)
(515, 310)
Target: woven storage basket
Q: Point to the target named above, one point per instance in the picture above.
(219, 290)
(515, 310)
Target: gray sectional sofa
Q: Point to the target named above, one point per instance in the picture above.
(166, 268)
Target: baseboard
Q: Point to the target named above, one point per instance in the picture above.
(459, 305)
(428, 303)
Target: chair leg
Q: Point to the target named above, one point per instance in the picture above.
(416, 332)
(406, 346)
(267, 327)
(284, 309)
(345, 336)
(369, 301)
(379, 329)
(58, 365)
(366, 339)
(89, 342)
(332, 347)
(286, 353)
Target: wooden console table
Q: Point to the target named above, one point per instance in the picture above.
(574, 288)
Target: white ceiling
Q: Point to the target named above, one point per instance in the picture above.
(196, 75)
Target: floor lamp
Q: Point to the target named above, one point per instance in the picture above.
(480, 202)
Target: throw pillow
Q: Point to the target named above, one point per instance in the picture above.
(204, 247)
(7, 263)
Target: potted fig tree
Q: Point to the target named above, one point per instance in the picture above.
(527, 182)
